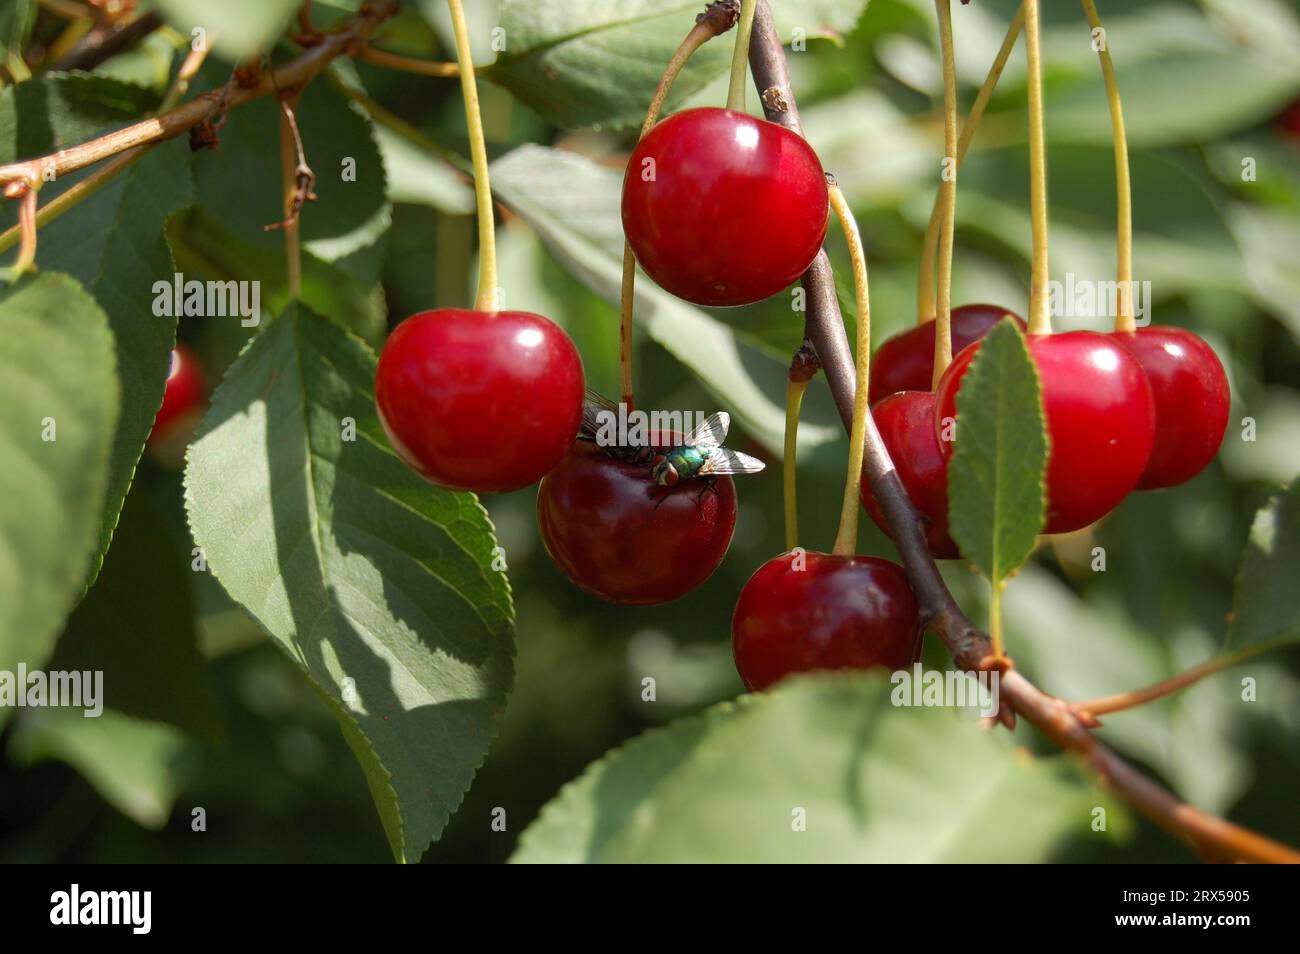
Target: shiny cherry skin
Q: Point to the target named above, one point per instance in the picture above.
(905, 420)
(905, 362)
(477, 401)
(183, 396)
(622, 538)
(1100, 422)
(836, 612)
(722, 208)
(1190, 390)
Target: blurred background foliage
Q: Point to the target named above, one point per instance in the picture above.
(223, 720)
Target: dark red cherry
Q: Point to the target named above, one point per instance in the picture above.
(1289, 120)
(722, 208)
(805, 611)
(905, 420)
(905, 362)
(619, 536)
(1191, 397)
(478, 401)
(1100, 422)
(183, 397)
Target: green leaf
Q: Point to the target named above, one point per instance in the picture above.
(597, 64)
(416, 175)
(114, 245)
(573, 204)
(138, 766)
(995, 478)
(57, 379)
(878, 783)
(1264, 608)
(1076, 648)
(1188, 96)
(145, 646)
(63, 109)
(379, 585)
(207, 249)
(237, 28)
(16, 19)
(347, 221)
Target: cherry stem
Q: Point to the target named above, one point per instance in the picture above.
(710, 24)
(947, 195)
(407, 64)
(846, 539)
(995, 616)
(26, 259)
(486, 298)
(925, 305)
(794, 391)
(1137, 697)
(1040, 320)
(740, 58)
(180, 85)
(1124, 318)
(290, 154)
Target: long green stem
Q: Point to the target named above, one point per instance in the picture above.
(794, 391)
(947, 195)
(925, 306)
(846, 539)
(740, 58)
(1124, 318)
(1040, 320)
(486, 298)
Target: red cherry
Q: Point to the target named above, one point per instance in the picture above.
(905, 362)
(905, 420)
(1100, 422)
(619, 536)
(1191, 398)
(477, 401)
(1289, 120)
(183, 396)
(722, 208)
(826, 612)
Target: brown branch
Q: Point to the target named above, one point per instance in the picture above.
(970, 648)
(107, 41)
(295, 72)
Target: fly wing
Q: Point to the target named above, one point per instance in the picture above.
(724, 461)
(594, 408)
(711, 433)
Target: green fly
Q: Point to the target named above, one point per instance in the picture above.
(699, 455)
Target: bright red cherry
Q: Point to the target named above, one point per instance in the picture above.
(1191, 396)
(619, 536)
(1100, 422)
(905, 420)
(905, 362)
(722, 208)
(478, 401)
(183, 397)
(801, 612)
